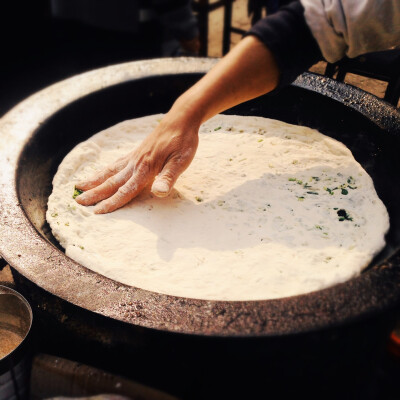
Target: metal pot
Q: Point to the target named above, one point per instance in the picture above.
(15, 345)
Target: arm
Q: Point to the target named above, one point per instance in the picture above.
(248, 71)
(280, 48)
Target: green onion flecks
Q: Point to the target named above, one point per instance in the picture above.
(77, 192)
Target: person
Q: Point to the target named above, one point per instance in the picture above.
(275, 50)
(255, 7)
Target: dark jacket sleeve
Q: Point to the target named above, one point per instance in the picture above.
(287, 35)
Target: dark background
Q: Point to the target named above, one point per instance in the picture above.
(38, 50)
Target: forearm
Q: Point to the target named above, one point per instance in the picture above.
(277, 49)
(248, 71)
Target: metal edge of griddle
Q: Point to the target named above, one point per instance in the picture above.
(383, 114)
(51, 271)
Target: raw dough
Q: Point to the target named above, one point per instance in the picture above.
(266, 210)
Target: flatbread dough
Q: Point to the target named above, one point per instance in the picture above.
(266, 210)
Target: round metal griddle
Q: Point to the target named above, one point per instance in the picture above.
(40, 131)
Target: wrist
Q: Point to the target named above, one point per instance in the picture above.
(186, 111)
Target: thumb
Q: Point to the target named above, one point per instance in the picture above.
(165, 180)
(161, 187)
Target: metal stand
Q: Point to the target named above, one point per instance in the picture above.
(203, 8)
(383, 65)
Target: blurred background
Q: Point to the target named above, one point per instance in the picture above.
(44, 41)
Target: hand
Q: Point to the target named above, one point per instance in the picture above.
(248, 71)
(159, 160)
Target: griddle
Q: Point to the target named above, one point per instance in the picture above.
(83, 307)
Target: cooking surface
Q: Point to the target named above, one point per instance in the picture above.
(342, 327)
(47, 267)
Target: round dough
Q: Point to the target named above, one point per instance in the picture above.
(266, 210)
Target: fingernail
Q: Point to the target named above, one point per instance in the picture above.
(100, 210)
(80, 184)
(83, 199)
(160, 188)
(80, 198)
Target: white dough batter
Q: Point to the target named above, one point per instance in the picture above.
(266, 210)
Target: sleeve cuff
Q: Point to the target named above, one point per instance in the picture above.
(289, 38)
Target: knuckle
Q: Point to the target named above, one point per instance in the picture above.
(144, 162)
(107, 185)
(144, 166)
(127, 189)
(113, 181)
(110, 169)
(167, 175)
(174, 167)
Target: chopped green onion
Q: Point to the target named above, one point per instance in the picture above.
(77, 192)
(343, 215)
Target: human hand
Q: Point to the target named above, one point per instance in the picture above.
(159, 160)
(248, 71)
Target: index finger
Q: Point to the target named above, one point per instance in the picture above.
(124, 194)
(103, 175)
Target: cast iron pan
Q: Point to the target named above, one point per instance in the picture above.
(39, 132)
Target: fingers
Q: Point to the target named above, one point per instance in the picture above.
(164, 149)
(104, 190)
(124, 194)
(166, 179)
(103, 175)
(123, 187)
